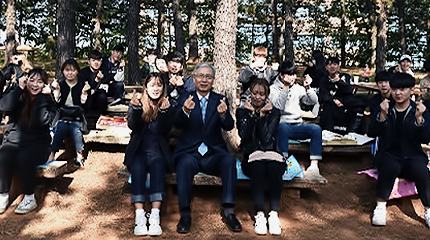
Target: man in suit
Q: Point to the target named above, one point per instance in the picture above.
(202, 115)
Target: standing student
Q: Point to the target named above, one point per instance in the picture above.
(401, 128)
(26, 142)
(150, 118)
(316, 69)
(257, 123)
(202, 116)
(404, 65)
(70, 95)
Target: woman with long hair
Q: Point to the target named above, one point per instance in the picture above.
(70, 95)
(150, 118)
(257, 123)
(26, 142)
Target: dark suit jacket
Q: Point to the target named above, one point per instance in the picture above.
(194, 132)
(138, 127)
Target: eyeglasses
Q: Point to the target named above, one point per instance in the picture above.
(201, 76)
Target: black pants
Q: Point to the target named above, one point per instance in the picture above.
(99, 102)
(264, 175)
(413, 169)
(22, 159)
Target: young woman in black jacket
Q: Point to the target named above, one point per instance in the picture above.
(26, 142)
(70, 95)
(150, 118)
(257, 123)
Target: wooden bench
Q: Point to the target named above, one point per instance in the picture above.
(53, 170)
(292, 188)
(352, 149)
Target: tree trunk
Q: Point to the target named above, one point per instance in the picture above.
(275, 31)
(133, 41)
(288, 36)
(342, 35)
(10, 31)
(66, 33)
(224, 57)
(381, 23)
(179, 30)
(193, 55)
(402, 32)
(372, 31)
(160, 23)
(96, 31)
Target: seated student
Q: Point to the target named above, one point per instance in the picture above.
(97, 97)
(404, 66)
(257, 68)
(341, 111)
(382, 80)
(257, 124)
(26, 142)
(113, 73)
(150, 118)
(70, 95)
(287, 96)
(174, 77)
(401, 131)
(18, 66)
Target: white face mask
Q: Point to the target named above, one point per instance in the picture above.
(314, 61)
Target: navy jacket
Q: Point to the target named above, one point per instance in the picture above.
(413, 134)
(194, 132)
(138, 127)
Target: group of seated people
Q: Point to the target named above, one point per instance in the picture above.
(268, 116)
(34, 106)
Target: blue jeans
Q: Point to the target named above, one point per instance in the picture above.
(72, 130)
(301, 131)
(142, 163)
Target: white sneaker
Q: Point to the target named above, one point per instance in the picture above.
(313, 169)
(4, 201)
(140, 228)
(427, 217)
(26, 206)
(78, 162)
(154, 225)
(379, 216)
(260, 226)
(274, 223)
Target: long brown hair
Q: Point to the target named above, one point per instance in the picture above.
(150, 106)
(28, 100)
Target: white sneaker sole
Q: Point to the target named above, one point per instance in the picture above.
(24, 211)
(141, 232)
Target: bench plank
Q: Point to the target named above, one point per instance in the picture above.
(53, 169)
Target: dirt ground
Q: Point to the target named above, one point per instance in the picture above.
(93, 203)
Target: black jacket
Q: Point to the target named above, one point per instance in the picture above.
(138, 126)
(341, 90)
(413, 134)
(42, 115)
(256, 132)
